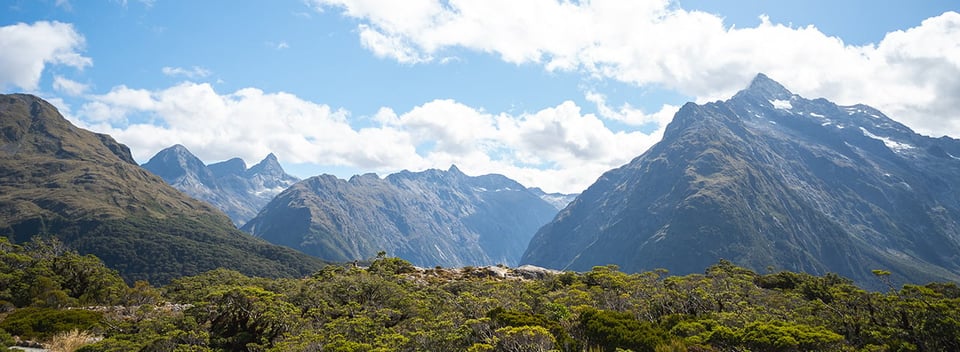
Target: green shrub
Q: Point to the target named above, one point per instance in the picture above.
(42, 323)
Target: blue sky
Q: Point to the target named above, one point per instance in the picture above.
(549, 93)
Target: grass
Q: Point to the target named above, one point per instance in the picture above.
(70, 341)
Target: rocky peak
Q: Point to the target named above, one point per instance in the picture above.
(771, 179)
(766, 88)
(234, 166)
(268, 166)
(176, 161)
(228, 185)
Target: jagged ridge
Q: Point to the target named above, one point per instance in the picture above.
(430, 218)
(228, 185)
(769, 179)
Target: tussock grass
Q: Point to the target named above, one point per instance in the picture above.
(70, 341)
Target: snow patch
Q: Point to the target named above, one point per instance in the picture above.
(816, 115)
(781, 104)
(892, 144)
(826, 124)
(269, 191)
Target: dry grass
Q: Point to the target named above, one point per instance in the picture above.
(70, 341)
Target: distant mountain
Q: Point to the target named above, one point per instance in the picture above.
(430, 218)
(769, 179)
(557, 200)
(86, 189)
(229, 185)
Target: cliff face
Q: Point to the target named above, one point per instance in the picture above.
(769, 179)
(229, 185)
(430, 218)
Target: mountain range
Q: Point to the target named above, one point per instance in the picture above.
(429, 218)
(228, 185)
(87, 190)
(772, 181)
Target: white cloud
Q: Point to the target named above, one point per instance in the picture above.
(557, 148)
(277, 45)
(146, 3)
(69, 87)
(913, 74)
(26, 49)
(628, 114)
(192, 73)
(65, 4)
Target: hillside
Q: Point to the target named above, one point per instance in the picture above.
(86, 189)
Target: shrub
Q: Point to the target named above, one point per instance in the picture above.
(42, 323)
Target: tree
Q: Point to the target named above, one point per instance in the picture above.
(240, 318)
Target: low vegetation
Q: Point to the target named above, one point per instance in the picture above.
(49, 293)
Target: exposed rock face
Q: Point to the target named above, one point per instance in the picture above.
(229, 185)
(429, 218)
(769, 179)
(86, 189)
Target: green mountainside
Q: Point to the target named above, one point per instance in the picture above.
(85, 188)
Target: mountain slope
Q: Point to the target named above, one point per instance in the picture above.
(430, 218)
(86, 189)
(229, 185)
(769, 179)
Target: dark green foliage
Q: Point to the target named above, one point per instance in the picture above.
(41, 323)
(611, 330)
(46, 273)
(392, 306)
(516, 318)
(152, 249)
(5, 339)
(246, 318)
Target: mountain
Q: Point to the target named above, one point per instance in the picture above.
(229, 185)
(86, 189)
(429, 218)
(771, 180)
(557, 200)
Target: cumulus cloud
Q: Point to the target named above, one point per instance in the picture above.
(69, 87)
(558, 148)
(26, 49)
(192, 73)
(912, 74)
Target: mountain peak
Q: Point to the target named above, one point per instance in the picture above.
(178, 148)
(269, 164)
(173, 162)
(233, 166)
(767, 88)
(454, 170)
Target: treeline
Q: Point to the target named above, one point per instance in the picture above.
(46, 289)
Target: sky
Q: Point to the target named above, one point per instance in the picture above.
(550, 93)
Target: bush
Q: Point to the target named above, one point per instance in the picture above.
(42, 323)
(611, 330)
